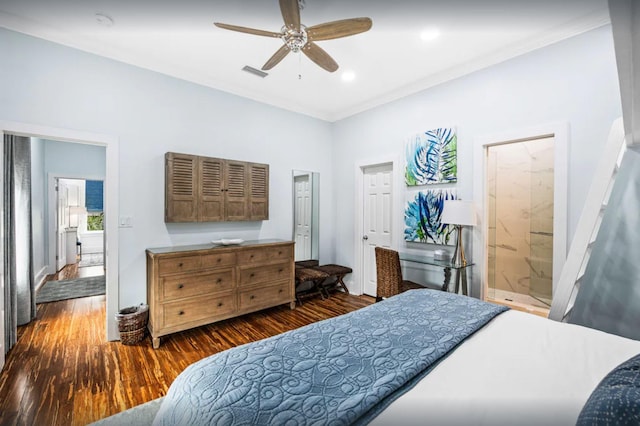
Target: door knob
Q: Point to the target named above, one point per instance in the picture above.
(366, 237)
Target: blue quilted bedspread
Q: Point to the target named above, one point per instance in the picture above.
(343, 370)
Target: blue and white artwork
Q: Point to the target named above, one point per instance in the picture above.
(432, 157)
(422, 217)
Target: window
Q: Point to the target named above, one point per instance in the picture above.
(94, 202)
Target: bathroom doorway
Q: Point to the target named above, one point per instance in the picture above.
(520, 222)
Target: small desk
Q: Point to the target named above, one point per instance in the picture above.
(447, 265)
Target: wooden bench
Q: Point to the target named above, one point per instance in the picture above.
(313, 278)
(336, 274)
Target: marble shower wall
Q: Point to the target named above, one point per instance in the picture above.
(520, 190)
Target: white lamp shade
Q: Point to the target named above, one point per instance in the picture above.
(458, 212)
(77, 209)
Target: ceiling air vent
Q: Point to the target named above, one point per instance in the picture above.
(254, 71)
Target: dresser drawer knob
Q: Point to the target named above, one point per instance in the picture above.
(180, 285)
(280, 291)
(219, 260)
(280, 270)
(219, 280)
(252, 275)
(180, 265)
(252, 297)
(181, 313)
(220, 304)
(279, 253)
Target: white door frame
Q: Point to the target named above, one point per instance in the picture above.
(111, 186)
(560, 132)
(52, 211)
(398, 180)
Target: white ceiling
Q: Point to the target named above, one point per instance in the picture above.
(391, 60)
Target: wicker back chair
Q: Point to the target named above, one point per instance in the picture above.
(389, 274)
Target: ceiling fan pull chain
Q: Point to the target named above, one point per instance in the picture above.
(299, 66)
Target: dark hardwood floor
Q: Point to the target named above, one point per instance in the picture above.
(73, 271)
(63, 372)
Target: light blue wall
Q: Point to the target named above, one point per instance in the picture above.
(74, 159)
(51, 85)
(573, 81)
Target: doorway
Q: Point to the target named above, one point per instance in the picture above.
(78, 227)
(111, 145)
(377, 223)
(520, 200)
(302, 216)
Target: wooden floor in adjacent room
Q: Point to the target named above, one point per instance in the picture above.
(62, 372)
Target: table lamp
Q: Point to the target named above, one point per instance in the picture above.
(458, 213)
(74, 212)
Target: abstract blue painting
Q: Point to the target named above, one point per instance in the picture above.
(432, 157)
(422, 217)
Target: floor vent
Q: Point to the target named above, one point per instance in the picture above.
(254, 71)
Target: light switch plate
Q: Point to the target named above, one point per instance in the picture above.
(126, 222)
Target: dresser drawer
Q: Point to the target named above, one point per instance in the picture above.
(265, 274)
(218, 259)
(198, 309)
(197, 285)
(178, 286)
(265, 296)
(174, 265)
(261, 255)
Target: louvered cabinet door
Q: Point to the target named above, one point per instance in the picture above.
(259, 191)
(181, 181)
(211, 190)
(236, 190)
(206, 189)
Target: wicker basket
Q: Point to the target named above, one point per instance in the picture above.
(132, 323)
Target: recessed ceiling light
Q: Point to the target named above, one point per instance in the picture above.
(430, 34)
(348, 76)
(104, 20)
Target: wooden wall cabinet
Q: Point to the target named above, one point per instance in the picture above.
(206, 189)
(190, 286)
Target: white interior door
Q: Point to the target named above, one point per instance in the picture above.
(302, 213)
(62, 223)
(377, 223)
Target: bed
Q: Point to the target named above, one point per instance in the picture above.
(422, 357)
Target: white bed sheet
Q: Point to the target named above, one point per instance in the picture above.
(518, 369)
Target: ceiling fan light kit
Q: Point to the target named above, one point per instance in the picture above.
(294, 39)
(298, 38)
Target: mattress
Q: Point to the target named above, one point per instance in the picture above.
(518, 369)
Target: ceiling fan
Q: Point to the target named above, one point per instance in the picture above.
(297, 37)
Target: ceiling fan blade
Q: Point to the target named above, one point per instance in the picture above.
(247, 30)
(319, 56)
(276, 58)
(337, 29)
(290, 13)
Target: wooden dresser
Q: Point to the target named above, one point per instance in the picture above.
(190, 286)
